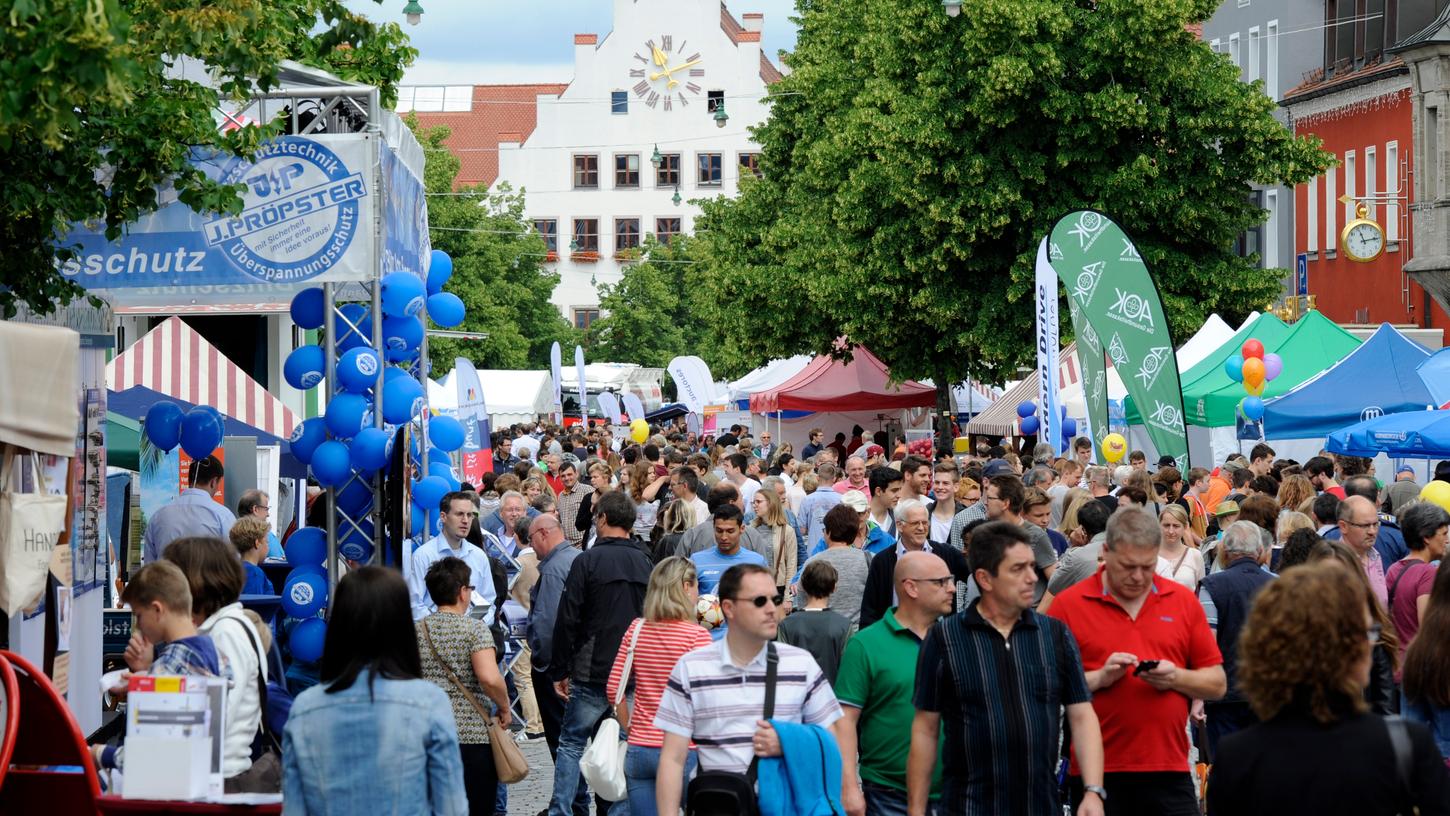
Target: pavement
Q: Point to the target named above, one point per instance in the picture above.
(530, 796)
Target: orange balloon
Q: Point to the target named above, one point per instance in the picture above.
(1254, 390)
(1253, 372)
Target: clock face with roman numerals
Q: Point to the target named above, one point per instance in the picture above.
(666, 73)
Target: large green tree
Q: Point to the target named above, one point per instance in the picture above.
(498, 268)
(913, 161)
(647, 317)
(101, 105)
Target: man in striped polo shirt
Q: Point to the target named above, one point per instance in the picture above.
(716, 694)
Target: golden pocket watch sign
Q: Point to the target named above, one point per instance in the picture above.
(1362, 239)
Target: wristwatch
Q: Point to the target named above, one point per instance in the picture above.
(1098, 789)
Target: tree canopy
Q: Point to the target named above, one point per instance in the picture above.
(98, 110)
(498, 268)
(647, 317)
(913, 161)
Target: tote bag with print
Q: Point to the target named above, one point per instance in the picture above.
(30, 526)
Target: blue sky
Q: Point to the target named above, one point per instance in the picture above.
(464, 42)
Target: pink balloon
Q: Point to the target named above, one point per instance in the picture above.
(1273, 366)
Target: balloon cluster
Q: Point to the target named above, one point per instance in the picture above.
(1029, 424)
(1254, 369)
(198, 431)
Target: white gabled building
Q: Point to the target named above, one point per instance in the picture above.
(585, 161)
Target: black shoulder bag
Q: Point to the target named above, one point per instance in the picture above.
(723, 793)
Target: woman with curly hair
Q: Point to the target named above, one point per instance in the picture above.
(1385, 657)
(1304, 662)
(536, 486)
(1293, 491)
(969, 492)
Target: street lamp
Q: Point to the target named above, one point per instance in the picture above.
(413, 12)
(953, 7)
(720, 116)
(676, 198)
(657, 159)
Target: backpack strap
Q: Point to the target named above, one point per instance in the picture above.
(273, 739)
(1404, 755)
(772, 664)
(1409, 564)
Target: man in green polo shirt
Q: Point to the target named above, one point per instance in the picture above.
(876, 682)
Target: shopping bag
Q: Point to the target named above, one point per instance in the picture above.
(30, 526)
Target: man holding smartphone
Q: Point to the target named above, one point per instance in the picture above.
(1147, 651)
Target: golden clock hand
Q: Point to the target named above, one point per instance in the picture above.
(659, 56)
(669, 72)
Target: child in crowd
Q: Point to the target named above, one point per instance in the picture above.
(249, 536)
(160, 598)
(815, 627)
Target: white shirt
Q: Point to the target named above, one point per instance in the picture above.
(244, 705)
(748, 490)
(436, 549)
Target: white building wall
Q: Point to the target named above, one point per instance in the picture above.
(580, 121)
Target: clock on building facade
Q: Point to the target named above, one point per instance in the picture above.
(666, 73)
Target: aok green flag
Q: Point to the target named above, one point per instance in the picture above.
(1112, 294)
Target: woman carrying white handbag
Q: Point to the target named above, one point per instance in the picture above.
(650, 649)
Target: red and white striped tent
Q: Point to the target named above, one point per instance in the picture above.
(174, 360)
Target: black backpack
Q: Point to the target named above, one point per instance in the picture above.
(723, 793)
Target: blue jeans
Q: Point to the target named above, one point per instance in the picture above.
(641, 766)
(583, 711)
(884, 801)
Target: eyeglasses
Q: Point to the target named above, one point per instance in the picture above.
(942, 582)
(1369, 526)
(761, 600)
(1374, 632)
(263, 508)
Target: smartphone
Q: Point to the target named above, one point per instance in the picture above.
(1144, 666)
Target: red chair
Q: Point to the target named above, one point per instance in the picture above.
(47, 767)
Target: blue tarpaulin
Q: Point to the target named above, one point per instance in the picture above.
(1377, 378)
(1413, 435)
(1435, 371)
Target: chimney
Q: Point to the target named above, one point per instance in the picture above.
(584, 47)
(753, 21)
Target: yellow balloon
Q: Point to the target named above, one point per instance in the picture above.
(639, 430)
(1437, 493)
(1115, 447)
(1254, 390)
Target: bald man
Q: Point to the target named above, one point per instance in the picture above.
(876, 680)
(1359, 524)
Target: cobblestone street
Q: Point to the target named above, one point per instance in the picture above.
(530, 796)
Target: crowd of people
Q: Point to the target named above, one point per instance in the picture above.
(853, 630)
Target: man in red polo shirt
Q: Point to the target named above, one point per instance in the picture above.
(1147, 652)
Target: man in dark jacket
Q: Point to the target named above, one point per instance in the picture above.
(603, 594)
(1227, 596)
(914, 525)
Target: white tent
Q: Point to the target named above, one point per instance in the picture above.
(768, 376)
(1212, 335)
(510, 396)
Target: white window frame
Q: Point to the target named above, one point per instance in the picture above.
(1392, 188)
(1253, 60)
(1351, 179)
(1371, 179)
(1233, 50)
(1271, 230)
(1216, 44)
(1311, 242)
(1331, 211)
(1271, 60)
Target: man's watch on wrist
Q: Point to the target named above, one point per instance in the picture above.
(1101, 792)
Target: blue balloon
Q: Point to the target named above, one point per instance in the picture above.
(356, 499)
(307, 309)
(1069, 427)
(357, 544)
(403, 294)
(418, 520)
(163, 424)
(444, 472)
(304, 367)
(1030, 425)
(401, 338)
(1026, 409)
(393, 372)
(307, 639)
(348, 339)
(306, 436)
(1234, 367)
(429, 491)
(403, 399)
(347, 414)
(446, 309)
(331, 463)
(201, 433)
(307, 545)
(304, 594)
(357, 369)
(1253, 408)
(440, 269)
(315, 569)
(370, 449)
(446, 433)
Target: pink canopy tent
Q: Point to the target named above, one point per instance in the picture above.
(832, 385)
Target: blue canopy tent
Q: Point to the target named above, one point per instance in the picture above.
(1411, 435)
(1378, 377)
(1435, 371)
(136, 400)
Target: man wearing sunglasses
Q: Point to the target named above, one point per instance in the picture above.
(716, 694)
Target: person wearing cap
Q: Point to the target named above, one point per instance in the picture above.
(1166, 461)
(193, 513)
(1220, 484)
(876, 539)
(1404, 490)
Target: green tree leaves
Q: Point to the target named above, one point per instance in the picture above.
(913, 161)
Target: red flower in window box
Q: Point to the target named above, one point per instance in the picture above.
(551, 255)
(584, 256)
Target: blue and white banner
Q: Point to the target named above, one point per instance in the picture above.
(307, 217)
(556, 368)
(583, 392)
(473, 413)
(1045, 299)
(406, 246)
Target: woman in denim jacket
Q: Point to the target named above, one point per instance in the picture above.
(373, 737)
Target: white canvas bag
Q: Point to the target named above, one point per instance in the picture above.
(30, 526)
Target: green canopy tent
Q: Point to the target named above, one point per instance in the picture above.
(123, 442)
(1209, 372)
